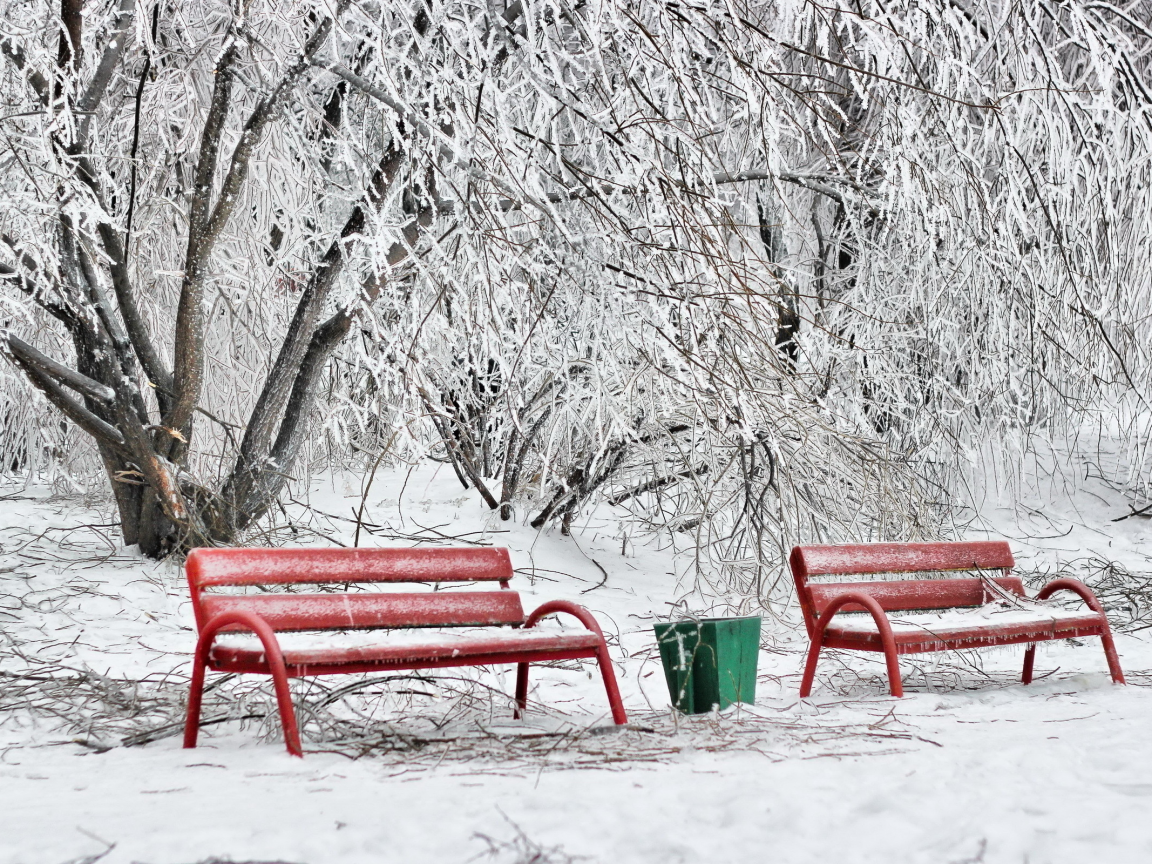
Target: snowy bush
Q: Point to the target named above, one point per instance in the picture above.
(762, 272)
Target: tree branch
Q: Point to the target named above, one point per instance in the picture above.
(278, 386)
(116, 252)
(252, 486)
(126, 373)
(447, 149)
(150, 360)
(812, 182)
(72, 17)
(109, 60)
(264, 114)
(80, 383)
(37, 81)
(59, 311)
(136, 130)
(656, 483)
(188, 372)
(205, 228)
(69, 407)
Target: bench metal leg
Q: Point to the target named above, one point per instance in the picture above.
(1085, 593)
(1029, 660)
(887, 640)
(284, 704)
(895, 686)
(521, 690)
(891, 661)
(607, 672)
(195, 697)
(609, 675)
(1109, 653)
(1113, 659)
(810, 668)
(275, 660)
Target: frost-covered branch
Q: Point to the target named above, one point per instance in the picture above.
(837, 246)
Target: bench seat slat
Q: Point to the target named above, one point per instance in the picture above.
(226, 657)
(862, 558)
(913, 594)
(255, 566)
(913, 639)
(285, 612)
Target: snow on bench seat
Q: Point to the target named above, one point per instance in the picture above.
(997, 623)
(302, 650)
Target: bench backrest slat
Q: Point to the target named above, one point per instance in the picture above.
(862, 558)
(290, 566)
(912, 595)
(901, 595)
(367, 611)
(221, 568)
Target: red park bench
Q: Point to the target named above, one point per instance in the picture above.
(270, 613)
(946, 609)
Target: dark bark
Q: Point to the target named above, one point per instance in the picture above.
(206, 224)
(35, 80)
(141, 341)
(127, 487)
(657, 483)
(283, 380)
(514, 464)
(188, 360)
(252, 487)
(136, 130)
(72, 17)
(82, 384)
(104, 433)
(788, 317)
(581, 482)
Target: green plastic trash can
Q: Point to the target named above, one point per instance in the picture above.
(710, 662)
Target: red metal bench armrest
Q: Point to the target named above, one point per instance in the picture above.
(581, 614)
(884, 628)
(858, 597)
(553, 607)
(272, 656)
(1076, 587)
(249, 620)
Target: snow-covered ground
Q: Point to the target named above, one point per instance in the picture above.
(968, 767)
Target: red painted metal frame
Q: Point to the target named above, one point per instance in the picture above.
(821, 603)
(210, 568)
(555, 607)
(887, 641)
(276, 669)
(1085, 593)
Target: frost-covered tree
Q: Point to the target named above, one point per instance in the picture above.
(179, 184)
(759, 270)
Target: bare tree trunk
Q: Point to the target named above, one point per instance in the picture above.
(160, 506)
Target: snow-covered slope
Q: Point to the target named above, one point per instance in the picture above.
(970, 766)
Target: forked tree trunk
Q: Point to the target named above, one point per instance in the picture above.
(161, 507)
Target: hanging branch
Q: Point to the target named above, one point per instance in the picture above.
(136, 131)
